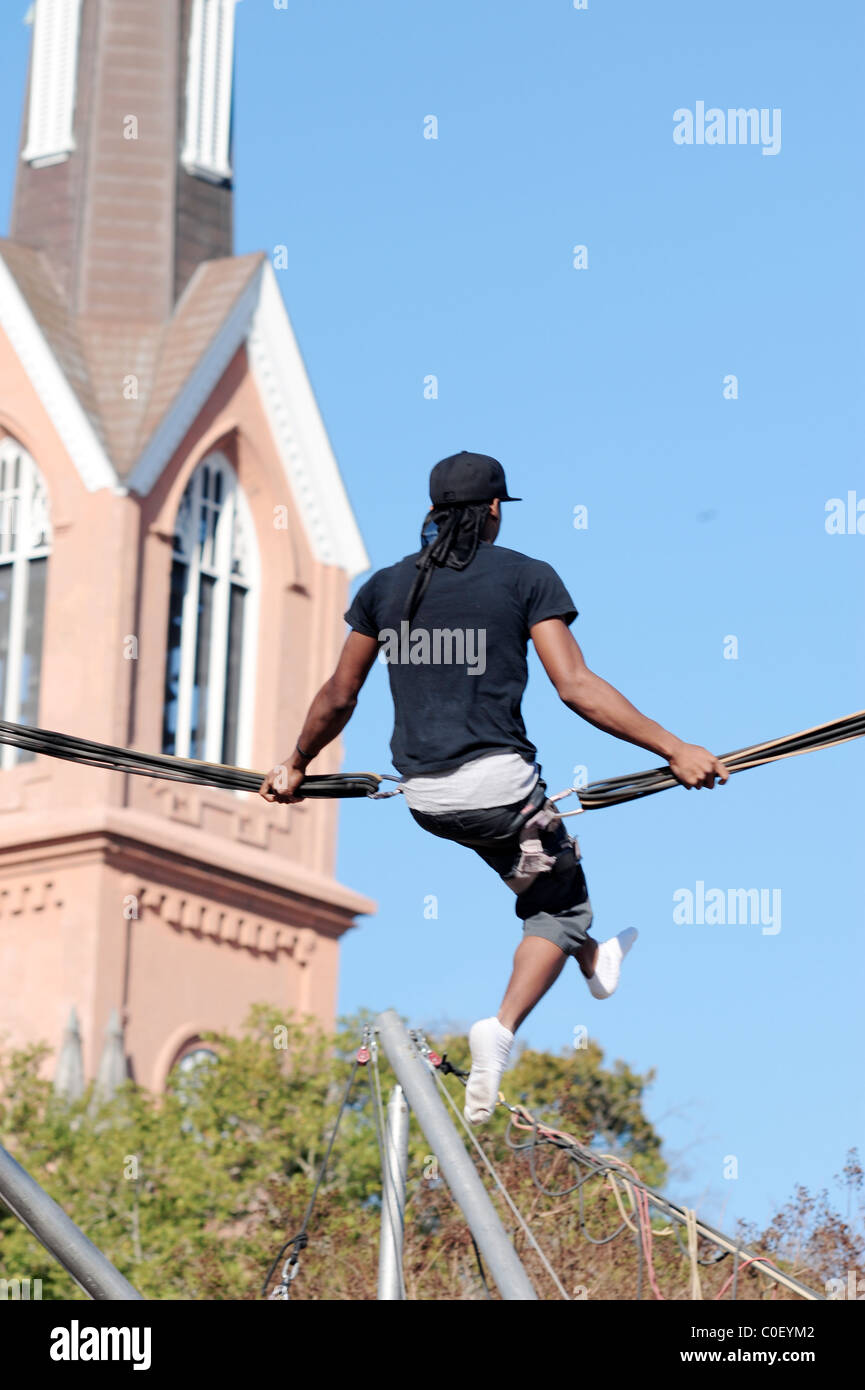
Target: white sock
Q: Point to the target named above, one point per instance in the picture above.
(490, 1043)
(608, 966)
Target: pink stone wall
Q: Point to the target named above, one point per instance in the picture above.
(235, 899)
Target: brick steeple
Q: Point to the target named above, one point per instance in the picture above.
(122, 98)
(121, 232)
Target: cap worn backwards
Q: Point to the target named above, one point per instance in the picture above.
(465, 477)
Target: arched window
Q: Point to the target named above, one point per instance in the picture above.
(189, 1078)
(191, 1071)
(25, 544)
(211, 621)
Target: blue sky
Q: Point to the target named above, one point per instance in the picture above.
(603, 387)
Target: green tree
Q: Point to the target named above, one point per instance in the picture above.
(191, 1193)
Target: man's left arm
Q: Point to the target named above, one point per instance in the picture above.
(326, 718)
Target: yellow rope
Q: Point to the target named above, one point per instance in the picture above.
(696, 1291)
(630, 1191)
(612, 1179)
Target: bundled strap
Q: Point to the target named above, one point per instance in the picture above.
(596, 795)
(80, 750)
(614, 790)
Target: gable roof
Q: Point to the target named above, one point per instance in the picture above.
(124, 438)
(49, 349)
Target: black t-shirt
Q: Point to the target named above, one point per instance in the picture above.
(458, 672)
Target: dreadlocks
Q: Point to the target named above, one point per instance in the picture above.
(455, 545)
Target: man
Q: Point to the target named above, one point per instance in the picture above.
(453, 622)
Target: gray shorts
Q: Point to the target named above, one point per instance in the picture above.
(556, 906)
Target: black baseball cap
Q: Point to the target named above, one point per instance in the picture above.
(466, 477)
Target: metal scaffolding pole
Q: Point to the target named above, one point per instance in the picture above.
(51, 1226)
(393, 1178)
(459, 1171)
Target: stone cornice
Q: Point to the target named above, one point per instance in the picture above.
(167, 853)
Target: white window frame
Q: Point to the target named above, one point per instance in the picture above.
(209, 76)
(233, 527)
(53, 72)
(25, 535)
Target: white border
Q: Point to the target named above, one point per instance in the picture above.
(60, 402)
(299, 433)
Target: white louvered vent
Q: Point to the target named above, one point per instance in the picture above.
(52, 81)
(208, 89)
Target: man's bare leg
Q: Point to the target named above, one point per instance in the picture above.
(586, 957)
(537, 965)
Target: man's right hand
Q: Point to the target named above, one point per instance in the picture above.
(282, 782)
(694, 766)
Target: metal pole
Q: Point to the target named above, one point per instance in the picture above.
(459, 1171)
(51, 1226)
(393, 1179)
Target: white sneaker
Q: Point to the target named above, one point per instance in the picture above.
(608, 966)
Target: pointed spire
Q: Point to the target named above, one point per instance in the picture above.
(69, 1076)
(112, 1064)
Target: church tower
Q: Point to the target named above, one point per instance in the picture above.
(175, 550)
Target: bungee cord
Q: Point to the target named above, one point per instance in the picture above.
(611, 791)
(173, 769)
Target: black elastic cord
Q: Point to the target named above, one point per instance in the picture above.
(301, 1240)
(172, 769)
(613, 791)
(446, 1066)
(488, 1294)
(610, 792)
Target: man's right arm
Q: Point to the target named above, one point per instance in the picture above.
(326, 717)
(598, 702)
